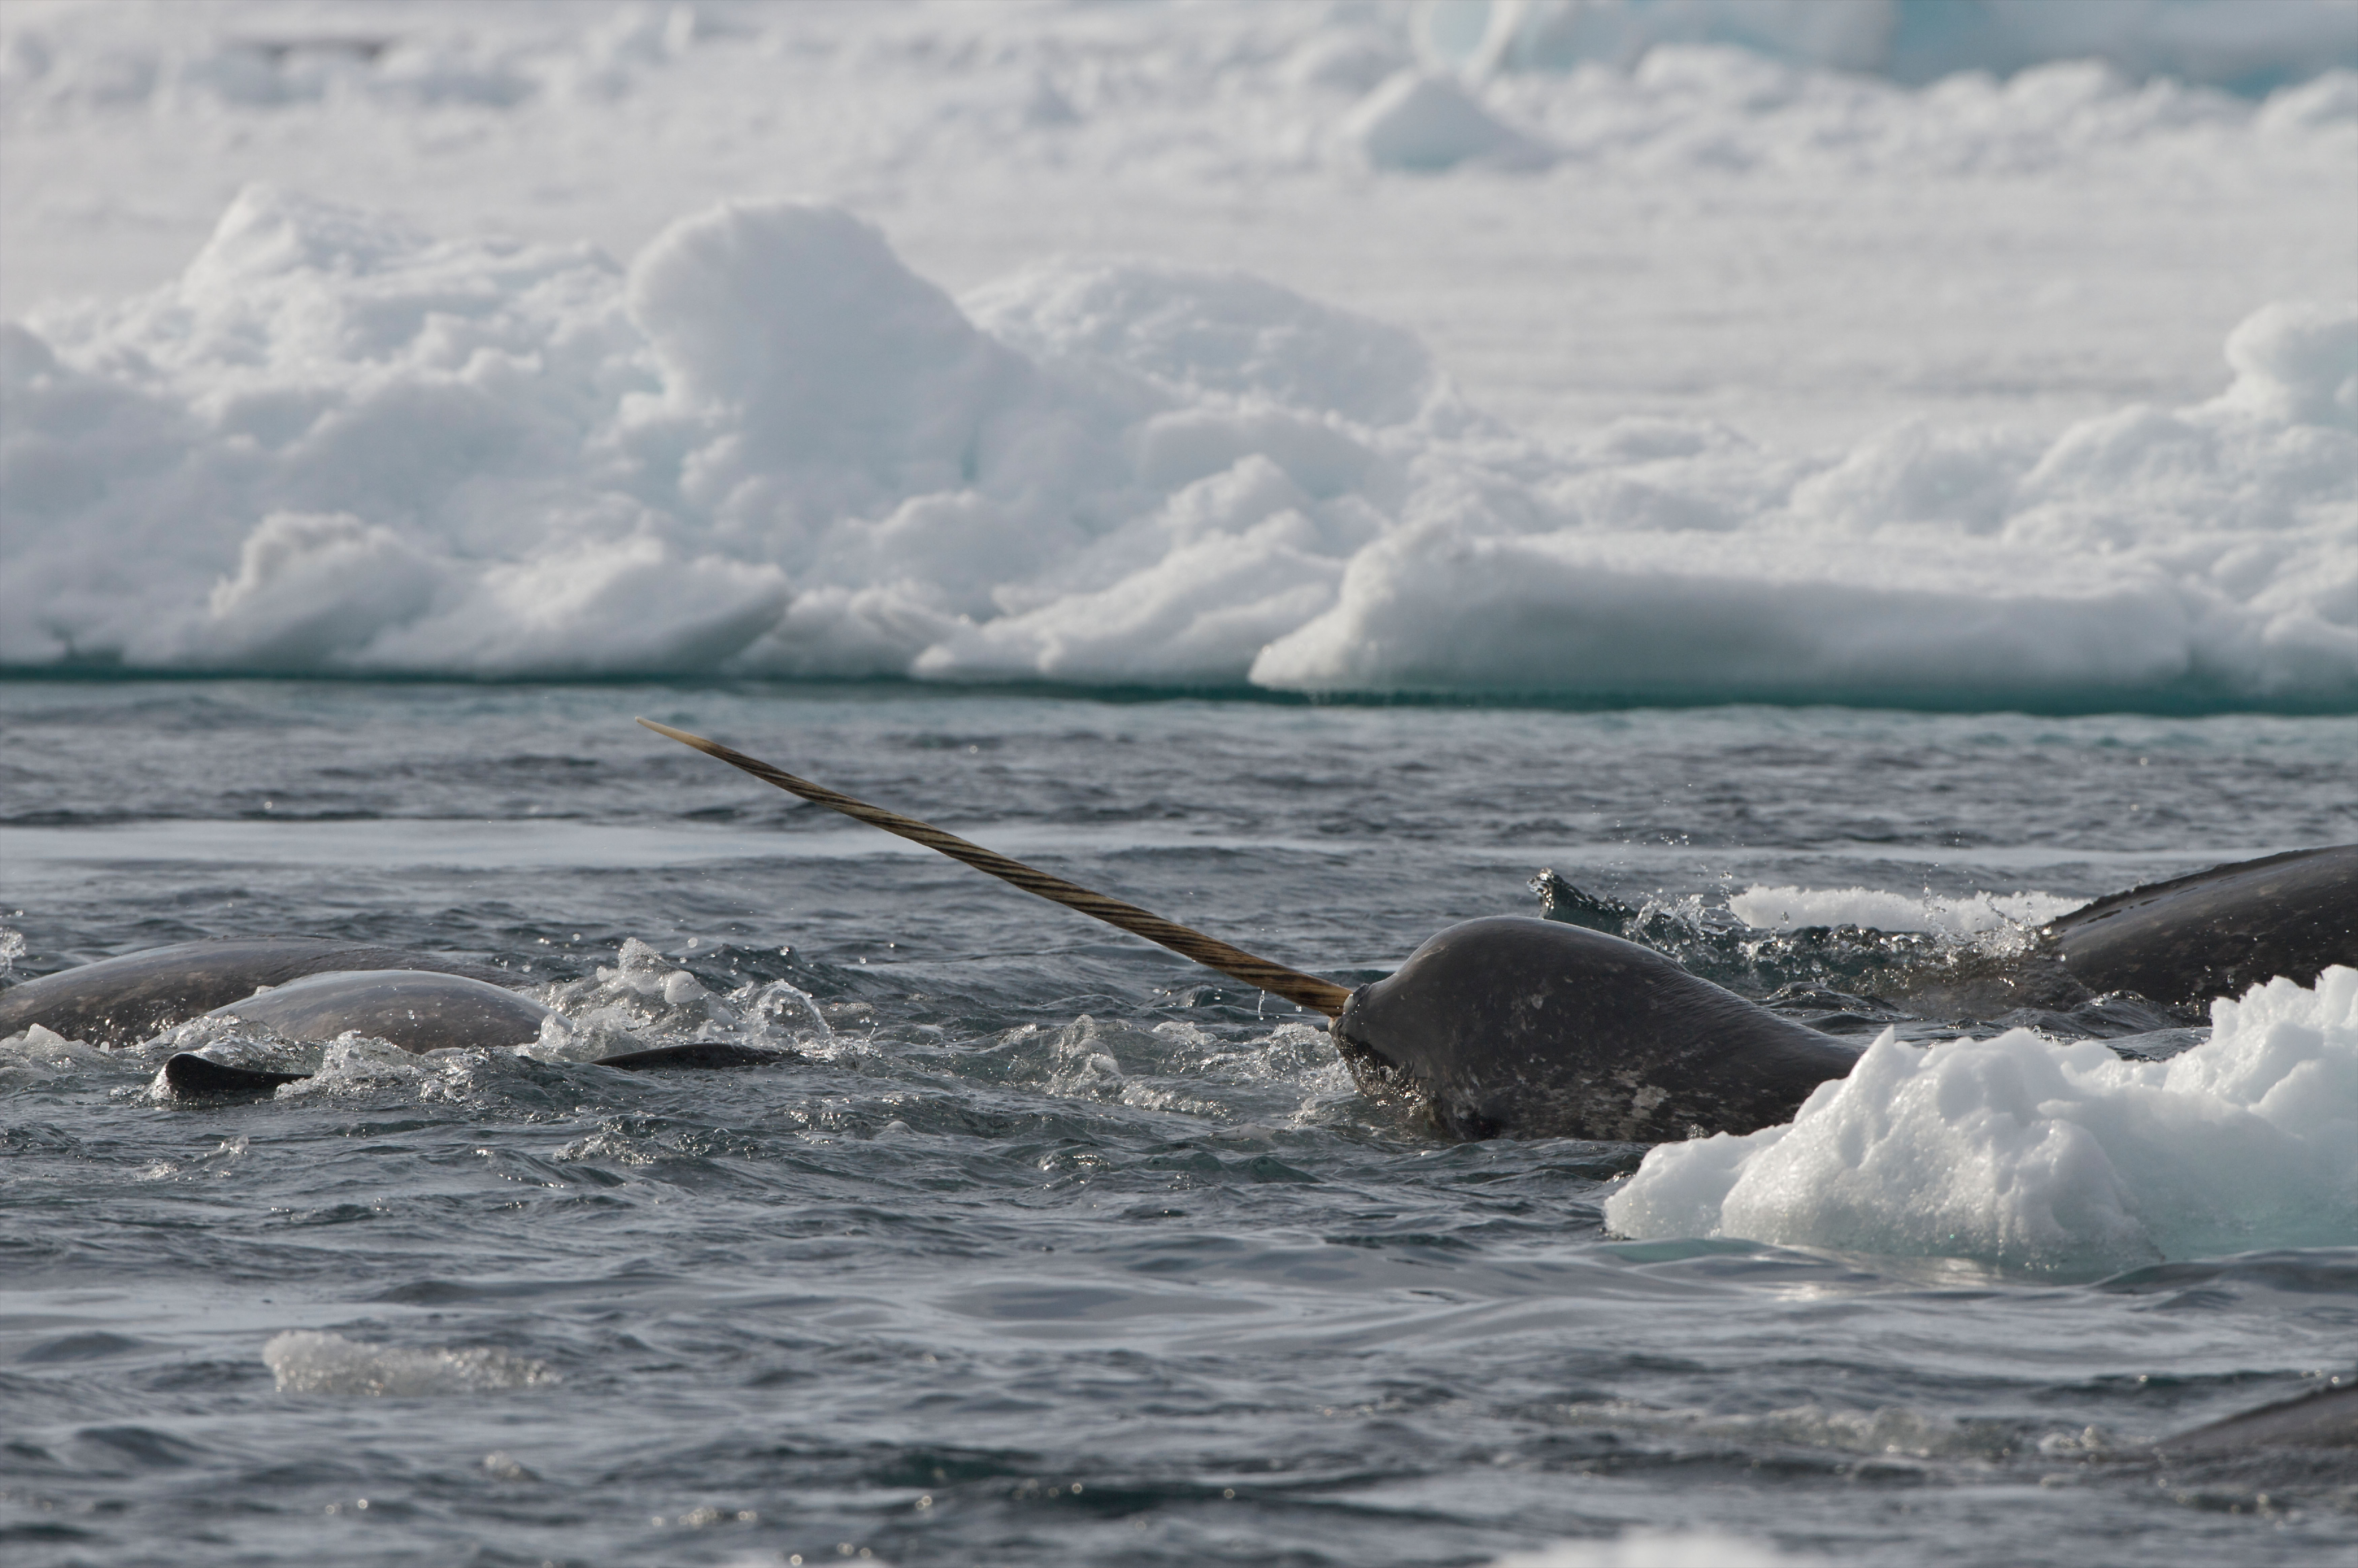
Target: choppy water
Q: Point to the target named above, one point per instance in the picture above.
(1060, 1249)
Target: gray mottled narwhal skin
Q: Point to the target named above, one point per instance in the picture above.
(2218, 933)
(311, 989)
(120, 1002)
(414, 1010)
(1523, 1027)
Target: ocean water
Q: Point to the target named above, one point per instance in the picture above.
(1307, 470)
(1054, 1247)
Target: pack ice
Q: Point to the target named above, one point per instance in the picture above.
(767, 447)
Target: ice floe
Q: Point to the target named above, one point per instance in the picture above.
(2025, 1155)
(767, 447)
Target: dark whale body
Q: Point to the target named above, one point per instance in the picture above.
(1504, 1026)
(2322, 1419)
(2218, 933)
(1547, 1029)
(120, 1002)
(1531, 1028)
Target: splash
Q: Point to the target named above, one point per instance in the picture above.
(308, 1362)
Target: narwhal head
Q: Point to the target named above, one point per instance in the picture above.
(1533, 1028)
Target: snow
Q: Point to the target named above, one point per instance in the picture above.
(2025, 1154)
(1222, 347)
(1427, 121)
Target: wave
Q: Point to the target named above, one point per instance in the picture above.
(335, 445)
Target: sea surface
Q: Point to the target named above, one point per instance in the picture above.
(1052, 1247)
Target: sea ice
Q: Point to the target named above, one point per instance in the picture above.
(2022, 1153)
(766, 447)
(1426, 119)
(2251, 43)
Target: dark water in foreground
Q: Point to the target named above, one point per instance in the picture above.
(1060, 1250)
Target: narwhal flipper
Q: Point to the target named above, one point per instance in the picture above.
(199, 1077)
(703, 1054)
(193, 1077)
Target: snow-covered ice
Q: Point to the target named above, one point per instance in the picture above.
(767, 447)
(1650, 352)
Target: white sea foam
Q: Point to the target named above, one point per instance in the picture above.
(1660, 1549)
(335, 443)
(2025, 1155)
(306, 1361)
(1790, 908)
(40, 1057)
(646, 1001)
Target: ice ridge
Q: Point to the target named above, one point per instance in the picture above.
(337, 445)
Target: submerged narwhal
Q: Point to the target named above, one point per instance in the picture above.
(1520, 1027)
(308, 989)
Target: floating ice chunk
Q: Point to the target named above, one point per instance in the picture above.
(2329, 99)
(306, 1361)
(1425, 122)
(1202, 610)
(629, 605)
(2022, 1153)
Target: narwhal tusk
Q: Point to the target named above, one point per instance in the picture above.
(1320, 996)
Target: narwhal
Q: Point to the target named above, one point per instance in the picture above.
(1502, 1026)
(306, 989)
(1521, 1027)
